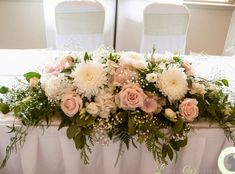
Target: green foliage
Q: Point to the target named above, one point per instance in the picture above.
(4, 108)
(87, 57)
(16, 141)
(178, 126)
(222, 82)
(3, 90)
(154, 146)
(30, 75)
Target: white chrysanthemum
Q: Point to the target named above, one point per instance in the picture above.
(54, 86)
(173, 84)
(105, 100)
(134, 59)
(89, 78)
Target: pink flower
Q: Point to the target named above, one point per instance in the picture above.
(71, 103)
(124, 75)
(187, 68)
(188, 109)
(130, 97)
(66, 62)
(152, 104)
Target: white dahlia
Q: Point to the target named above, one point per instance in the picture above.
(172, 83)
(134, 59)
(89, 78)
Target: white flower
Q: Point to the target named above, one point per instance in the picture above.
(198, 88)
(89, 78)
(92, 109)
(55, 86)
(170, 114)
(152, 77)
(105, 101)
(134, 59)
(173, 84)
(101, 52)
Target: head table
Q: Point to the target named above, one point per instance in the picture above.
(50, 151)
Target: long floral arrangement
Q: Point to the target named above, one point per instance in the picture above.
(102, 96)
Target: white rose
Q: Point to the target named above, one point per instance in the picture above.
(170, 114)
(152, 77)
(198, 88)
(92, 108)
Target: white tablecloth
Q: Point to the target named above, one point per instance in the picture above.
(54, 153)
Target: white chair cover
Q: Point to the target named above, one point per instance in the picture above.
(165, 26)
(131, 30)
(229, 48)
(79, 25)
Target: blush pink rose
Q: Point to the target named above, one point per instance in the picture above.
(66, 62)
(152, 104)
(124, 75)
(130, 97)
(188, 109)
(187, 68)
(71, 103)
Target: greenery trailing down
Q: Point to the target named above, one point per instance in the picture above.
(16, 141)
(105, 96)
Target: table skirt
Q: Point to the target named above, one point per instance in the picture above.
(52, 152)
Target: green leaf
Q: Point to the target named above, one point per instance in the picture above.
(178, 125)
(131, 126)
(159, 134)
(140, 139)
(176, 59)
(222, 82)
(80, 141)
(87, 57)
(164, 150)
(182, 143)
(72, 131)
(30, 75)
(4, 90)
(4, 108)
(175, 145)
(170, 152)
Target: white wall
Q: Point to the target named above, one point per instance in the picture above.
(22, 26)
(208, 27)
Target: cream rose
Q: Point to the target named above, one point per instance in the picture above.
(198, 88)
(188, 109)
(130, 97)
(170, 115)
(92, 108)
(71, 103)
